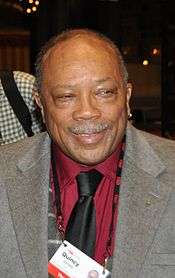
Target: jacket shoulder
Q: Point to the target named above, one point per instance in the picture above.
(15, 150)
(165, 148)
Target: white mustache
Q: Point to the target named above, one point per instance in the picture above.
(89, 128)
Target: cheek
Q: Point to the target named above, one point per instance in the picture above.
(119, 112)
(115, 114)
(52, 118)
(118, 120)
(57, 124)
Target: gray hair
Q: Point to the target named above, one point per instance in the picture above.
(71, 33)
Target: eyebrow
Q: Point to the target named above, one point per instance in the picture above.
(68, 86)
(100, 81)
(103, 80)
(63, 86)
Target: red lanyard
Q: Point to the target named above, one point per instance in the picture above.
(115, 198)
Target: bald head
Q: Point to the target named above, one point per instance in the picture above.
(77, 38)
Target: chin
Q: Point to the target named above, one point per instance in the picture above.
(90, 160)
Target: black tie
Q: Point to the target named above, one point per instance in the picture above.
(81, 227)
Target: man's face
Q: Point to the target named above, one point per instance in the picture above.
(84, 99)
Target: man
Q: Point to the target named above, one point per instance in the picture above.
(84, 97)
(11, 129)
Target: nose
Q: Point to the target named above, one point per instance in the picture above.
(86, 108)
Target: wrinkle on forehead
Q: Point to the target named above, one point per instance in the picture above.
(79, 46)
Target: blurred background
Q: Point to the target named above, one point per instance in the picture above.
(144, 31)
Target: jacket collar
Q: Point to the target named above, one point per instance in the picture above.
(137, 149)
(141, 153)
(34, 152)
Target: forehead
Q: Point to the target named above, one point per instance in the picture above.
(80, 44)
(78, 56)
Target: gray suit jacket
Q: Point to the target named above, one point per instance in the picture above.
(145, 234)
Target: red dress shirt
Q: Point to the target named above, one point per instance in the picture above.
(67, 170)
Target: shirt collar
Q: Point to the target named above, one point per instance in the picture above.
(68, 169)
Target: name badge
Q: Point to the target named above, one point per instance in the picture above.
(70, 262)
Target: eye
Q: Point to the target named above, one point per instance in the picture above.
(106, 93)
(65, 98)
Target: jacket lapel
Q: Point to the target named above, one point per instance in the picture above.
(143, 198)
(28, 199)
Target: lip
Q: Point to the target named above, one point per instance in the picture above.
(88, 139)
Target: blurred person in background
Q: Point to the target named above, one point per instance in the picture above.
(19, 115)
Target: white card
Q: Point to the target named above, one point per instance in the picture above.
(70, 262)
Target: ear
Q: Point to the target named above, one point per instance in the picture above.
(128, 96)
(37, 99)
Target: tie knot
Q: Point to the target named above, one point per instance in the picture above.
(88, 182)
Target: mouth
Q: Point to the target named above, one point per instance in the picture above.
(90, 138)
